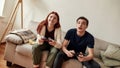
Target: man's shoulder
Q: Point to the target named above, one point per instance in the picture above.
(72, 30)
(89, 34)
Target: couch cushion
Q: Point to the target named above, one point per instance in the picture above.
(100, 45)
(72, 63)
(113, 52)
(24, 49)
(108, 61)
(14, 39)
(99, 60)
(117, 67)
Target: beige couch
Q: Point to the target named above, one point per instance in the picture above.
(18, 53)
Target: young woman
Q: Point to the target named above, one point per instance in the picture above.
(49, 39)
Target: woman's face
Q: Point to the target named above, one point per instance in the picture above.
(52, 19)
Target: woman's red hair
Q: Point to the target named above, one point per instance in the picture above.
(45, 22)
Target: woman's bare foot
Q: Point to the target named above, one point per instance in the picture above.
(35, 66)
(47, 67)
(43, 64)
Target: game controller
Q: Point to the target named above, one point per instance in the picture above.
(45, 39)
(77, 54)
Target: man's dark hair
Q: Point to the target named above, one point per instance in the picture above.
(82, 17)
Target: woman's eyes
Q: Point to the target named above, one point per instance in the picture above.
(53, 17)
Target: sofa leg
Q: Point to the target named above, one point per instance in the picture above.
(9, 63)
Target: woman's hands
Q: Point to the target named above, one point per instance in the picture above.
(52, 42)
(41, 40)
(49, 40)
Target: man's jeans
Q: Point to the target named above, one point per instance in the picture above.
(61, 57)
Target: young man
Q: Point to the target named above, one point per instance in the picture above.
(75, 44)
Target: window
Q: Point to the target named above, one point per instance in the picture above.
(1, 6)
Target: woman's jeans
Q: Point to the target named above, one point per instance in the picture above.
(37, 53)
(61, 57)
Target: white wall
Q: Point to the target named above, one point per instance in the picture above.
(104, 15)
(1, 6)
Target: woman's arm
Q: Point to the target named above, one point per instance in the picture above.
(57, 36)
(40, 35)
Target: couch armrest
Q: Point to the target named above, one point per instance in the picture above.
(13, 39)
(9, 53)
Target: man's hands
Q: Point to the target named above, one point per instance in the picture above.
(81, 57)
(69, 53)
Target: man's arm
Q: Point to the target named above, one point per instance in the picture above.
(69, 53)
(90, 55)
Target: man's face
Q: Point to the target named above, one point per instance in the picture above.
(81, 25)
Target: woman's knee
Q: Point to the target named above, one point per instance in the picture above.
(35, 48)
(53, 50)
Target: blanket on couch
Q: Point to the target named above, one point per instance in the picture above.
(25, 35)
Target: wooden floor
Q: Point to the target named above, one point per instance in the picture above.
(2, 61)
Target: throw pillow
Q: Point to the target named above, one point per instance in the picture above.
(109, 62)
(25, 35)
(13, 39)
(113, 52)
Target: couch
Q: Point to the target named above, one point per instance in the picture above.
(20, 53)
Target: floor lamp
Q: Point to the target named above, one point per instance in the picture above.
(12, 18)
